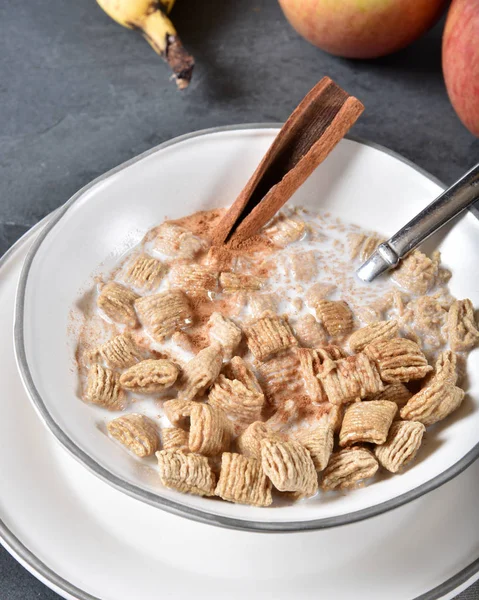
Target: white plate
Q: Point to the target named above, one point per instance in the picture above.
(89, 542)
(358, 182)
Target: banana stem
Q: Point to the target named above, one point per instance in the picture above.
(160, 33)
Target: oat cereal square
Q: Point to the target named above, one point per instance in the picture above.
(398, 360)
(150, 376)
(136, 432)
(117, 302)
(164, 313)
(289, 466)
(201, 372)
(336, 316)
(269, 335)
(145, 272)
(243, 481)
(187, 473)
(348, 467)
(401, 446)
(103, 388)
(120, 352)
(368, 422)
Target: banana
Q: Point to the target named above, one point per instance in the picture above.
(149, 17)
(167, 5)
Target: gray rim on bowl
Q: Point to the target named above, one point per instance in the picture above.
(155, 500)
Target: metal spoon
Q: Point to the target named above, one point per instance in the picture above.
(449, 204)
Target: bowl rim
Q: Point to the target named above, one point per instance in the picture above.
(151, 498)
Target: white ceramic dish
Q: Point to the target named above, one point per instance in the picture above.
(196, 172)
(87, 541)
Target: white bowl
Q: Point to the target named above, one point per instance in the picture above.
(359, 182)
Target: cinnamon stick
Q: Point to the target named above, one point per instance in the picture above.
(314, 128)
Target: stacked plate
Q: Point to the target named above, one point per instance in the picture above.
(87, 521)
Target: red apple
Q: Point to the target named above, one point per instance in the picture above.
(460, 61)
(362, 28)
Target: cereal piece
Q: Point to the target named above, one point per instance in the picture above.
(376, 332)
(417, 272)
(309, 363)
(165, 313)
(438, 398)
(137, 432)
(336, 316)
(355, 242)
(347, 467)
(348, 379)
(175, 438)
(194, 280)
(461, 326)
(103, 388)
(236, 400)
(367, 422)
(234, 282)
(210, 430)
(225, 332)
(394, 392)
(369, 246)
(398, 360)
(120, 352)
(317, 292)
(150, 376)
(186, 472)
(117, 302)
(243, 481)
(178, 412)
(269, 335)
(319, 442)
(279, 378)
(201, 371)
(309, 332)
(283, 230)
(145, 272)
(304, 266)
(249, 442)
(401, 447)
(261, 303)
(221, 258)
(238, 369)
(176, 241)
(289, 466)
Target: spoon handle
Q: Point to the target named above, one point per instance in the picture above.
(460, 196)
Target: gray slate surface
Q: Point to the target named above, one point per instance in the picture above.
(79, 95)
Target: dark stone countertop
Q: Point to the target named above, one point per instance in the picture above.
(80, 94)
